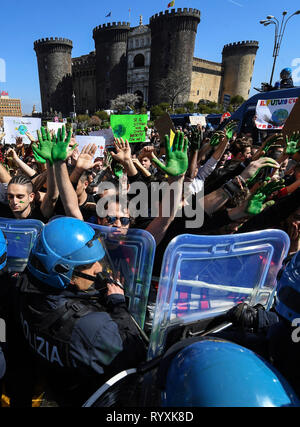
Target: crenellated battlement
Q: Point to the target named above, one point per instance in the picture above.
(112, 26)
(53, 40)
(179, 12)
(240, 45)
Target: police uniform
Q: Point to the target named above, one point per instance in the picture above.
(79, 341)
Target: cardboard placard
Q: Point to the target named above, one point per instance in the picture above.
(107, 137)
(130, 127)
(198, 120)
(83, 140)
(54, 126)
(164, 126)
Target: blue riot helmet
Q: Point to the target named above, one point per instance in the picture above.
(3, 251)
(64, 244)
(286, 73)
(217, 373)
(288, 290)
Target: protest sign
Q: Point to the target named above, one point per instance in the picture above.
(164, 126)
(293, 122)
(83, 140)
(273, 113)
(130, 127)
(198, 120)
(107, 137)
(54, 126)
(17, 127)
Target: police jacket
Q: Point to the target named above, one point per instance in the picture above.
(72, 331)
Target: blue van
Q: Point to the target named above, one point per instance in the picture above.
(246, 112)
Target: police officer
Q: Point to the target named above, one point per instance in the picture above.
(73, 312)
(286, 78)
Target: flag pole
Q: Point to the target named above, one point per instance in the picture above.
(129, 15)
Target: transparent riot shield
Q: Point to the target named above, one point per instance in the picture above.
(204, 276)
(132, 254)
(20, 235)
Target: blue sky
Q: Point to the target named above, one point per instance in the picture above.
(222, 22)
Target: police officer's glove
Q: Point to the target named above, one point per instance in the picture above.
(244, 316)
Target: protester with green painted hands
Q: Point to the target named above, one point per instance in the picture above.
(43, 151)
(292, 143)
(252, 173)
(230, 129)
(176, 157)
(195, 139)
(216, 138)
(256, 203)
(60, 150)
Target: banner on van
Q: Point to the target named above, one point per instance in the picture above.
(273, 113)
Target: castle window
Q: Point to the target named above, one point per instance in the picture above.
(139, 61)
(137, 43)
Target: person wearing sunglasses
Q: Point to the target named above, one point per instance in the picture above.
(113, 212)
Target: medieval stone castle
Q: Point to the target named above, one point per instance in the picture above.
(134, 59)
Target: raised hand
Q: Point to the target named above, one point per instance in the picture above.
(31, 137)
(217, 138)
(123, 149)
(251, 173)
(195, 139)
(61, 150)
(275, 139)
(292, 143)
(43, 151)
(107, 159)
(86, 159)
(256, 203)
(176, 157)
(230, 129)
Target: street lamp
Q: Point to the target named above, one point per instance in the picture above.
(74, 104)
(279, 33)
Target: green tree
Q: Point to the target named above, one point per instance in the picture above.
(103, 116)
(236, 101)
(190, 107)
(94, 121)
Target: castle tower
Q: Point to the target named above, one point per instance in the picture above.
(238, 63)
(55, 73)
(111, 61)
(173, 36)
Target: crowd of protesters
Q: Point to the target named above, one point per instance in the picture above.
(243, 186)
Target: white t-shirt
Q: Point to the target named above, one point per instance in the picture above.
(204, 171)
